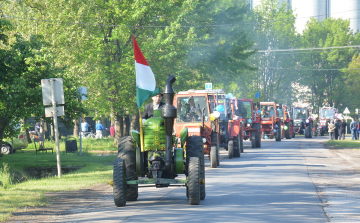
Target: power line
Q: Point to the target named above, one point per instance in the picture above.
(279, 68)
(303, 49)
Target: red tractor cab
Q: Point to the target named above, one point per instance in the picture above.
(251, 121)
(288, 123)
(271, 121)
(195, 112)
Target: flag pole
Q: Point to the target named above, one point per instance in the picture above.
(141, 133)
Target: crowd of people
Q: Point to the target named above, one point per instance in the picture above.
(337, 129)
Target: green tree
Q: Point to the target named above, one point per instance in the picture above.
(23, 64)
(93, 39)
(273, 30)
(321, 69)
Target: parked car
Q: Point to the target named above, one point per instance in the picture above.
(10, 145)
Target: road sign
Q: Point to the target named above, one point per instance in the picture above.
(208, 86)
(49, 111)
(346, 111)
(47, 91)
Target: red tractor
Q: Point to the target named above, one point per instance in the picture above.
(251, 121)
(271, 121)
(288, 123)
(326, 114)
(230, 128)
(195, 117)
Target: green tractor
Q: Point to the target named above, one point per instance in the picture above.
(156, 153)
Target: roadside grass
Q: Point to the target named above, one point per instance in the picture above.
(347, 143)
(20, 189)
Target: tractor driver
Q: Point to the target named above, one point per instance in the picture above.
(192, 112)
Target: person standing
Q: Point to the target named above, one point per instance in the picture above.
(84, 127)
(37, 129)
(332, 129)
(149, 108)
(337, 129)
(112, 131)
(99, 127)
(353, 129)
(343, 126)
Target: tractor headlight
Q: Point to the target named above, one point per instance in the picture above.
(204, 140)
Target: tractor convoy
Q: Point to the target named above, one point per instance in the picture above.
(170, 148)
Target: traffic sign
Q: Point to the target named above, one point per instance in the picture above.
(47, 91)
(208, 86)
(346, 111)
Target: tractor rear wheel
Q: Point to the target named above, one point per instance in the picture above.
(127, 152)
(195, 148)
(237, 146)
(215, 139)
(213, 157)
(278, 133)
(193, 185)
(258, 139)
(288, 131)
(119, 183)
(253, 140)
(231, 149)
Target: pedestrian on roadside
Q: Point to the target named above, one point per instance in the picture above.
(112, 131)
(99, 127)
(343, 126)
(353, 129)
(332, 129)
(37, 129)
(337, 129)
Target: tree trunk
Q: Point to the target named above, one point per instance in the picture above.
(76, 128)
(126, 125)
(117, 126)
(135, 121)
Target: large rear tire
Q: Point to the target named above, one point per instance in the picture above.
(195, 148)
(231, 149)
(241, 139)
(258, 139)
(119, 183)
(237, 146)
(288, 131)
(193, 185)
(127, 152)
(278, 133)
(253, 139)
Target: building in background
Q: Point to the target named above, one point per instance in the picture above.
(321, 9)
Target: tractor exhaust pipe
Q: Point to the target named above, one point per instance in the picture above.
(168, 113)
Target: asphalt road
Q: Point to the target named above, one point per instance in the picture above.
(273, 183)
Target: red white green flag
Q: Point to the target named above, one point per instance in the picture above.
(145, 79)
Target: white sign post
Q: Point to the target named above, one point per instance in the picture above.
(53, 93)
(346, 112)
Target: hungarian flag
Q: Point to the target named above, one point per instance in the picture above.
(145, 79)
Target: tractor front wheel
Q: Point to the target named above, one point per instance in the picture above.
(127, 152)
(119, 183)
(253, 140)
(193, 184)
(195, 148)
